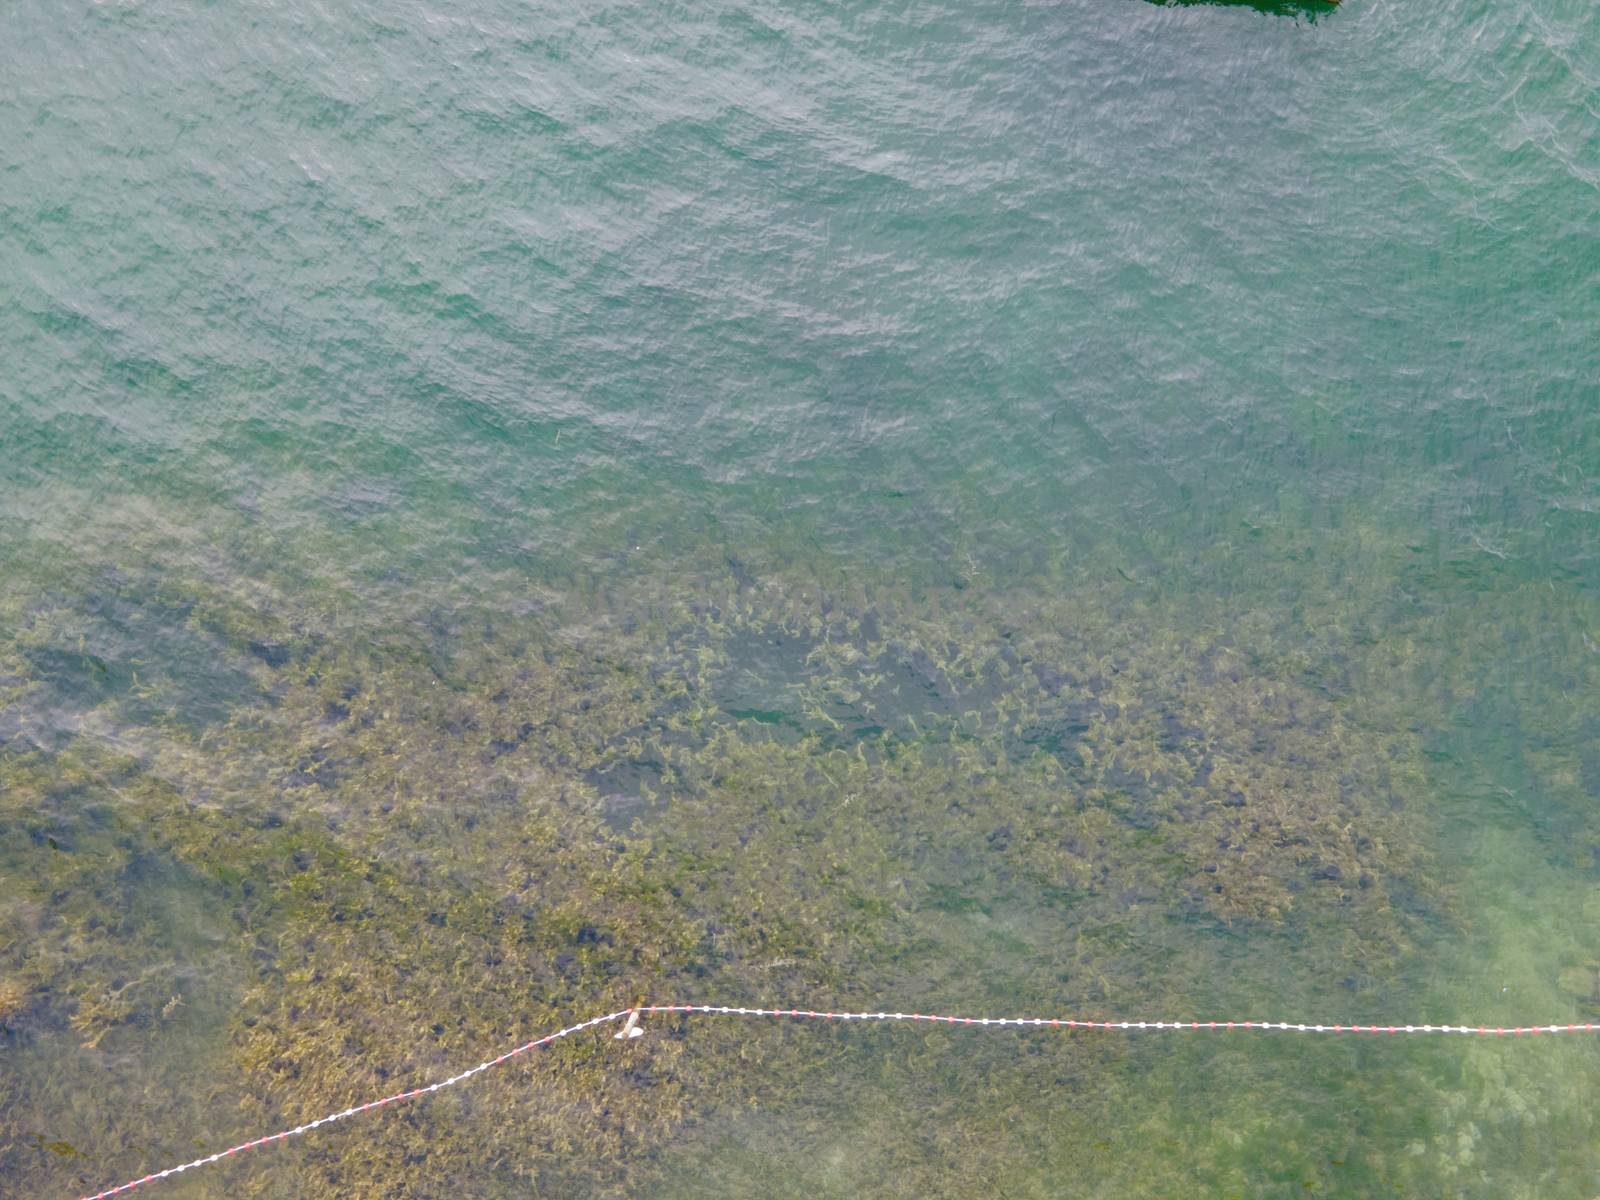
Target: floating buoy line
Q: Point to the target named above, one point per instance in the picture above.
(632, 1028)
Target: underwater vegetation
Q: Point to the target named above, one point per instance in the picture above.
(333, 855)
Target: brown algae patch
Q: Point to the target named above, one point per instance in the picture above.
(408, 850)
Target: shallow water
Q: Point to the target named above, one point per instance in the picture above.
(1050, 509)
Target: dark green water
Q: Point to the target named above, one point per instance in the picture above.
(1081, 509)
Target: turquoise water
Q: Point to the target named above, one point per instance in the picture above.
(1073, 508)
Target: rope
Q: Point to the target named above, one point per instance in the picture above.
(360, 1108)
(633, 1015)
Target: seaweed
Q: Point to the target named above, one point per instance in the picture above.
(408, 834)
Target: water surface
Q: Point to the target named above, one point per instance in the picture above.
(1080, 509)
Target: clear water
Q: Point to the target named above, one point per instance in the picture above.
(1074, 508)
